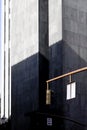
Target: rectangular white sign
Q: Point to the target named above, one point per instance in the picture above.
(71, 90)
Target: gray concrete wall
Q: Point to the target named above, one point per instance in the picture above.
(75, 57)
(43, 28)
(55, 50)
(43, 51)
(25, 92)
(55, 21)
(24, 29)
(29, 54)
(39, 40)
(24, 61)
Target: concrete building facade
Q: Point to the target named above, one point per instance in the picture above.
(74, 56)
(29, 54)
(48, 39)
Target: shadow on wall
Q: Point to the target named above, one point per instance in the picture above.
(29, 85)
(75, 57)
(55, 69)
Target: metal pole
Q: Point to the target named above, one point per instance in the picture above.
(67, 74)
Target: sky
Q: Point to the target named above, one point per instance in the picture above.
(0, 28)
(0, 24)
(0, 44)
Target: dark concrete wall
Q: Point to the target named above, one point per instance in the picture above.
(43, 28)
(55, 69)
(49, 56)
(75, 57)
(55, 49)
(25, 93)
(43, 51)
(29, 65)
(55, 60)
(24, 61)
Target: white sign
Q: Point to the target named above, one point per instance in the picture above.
(71, 90)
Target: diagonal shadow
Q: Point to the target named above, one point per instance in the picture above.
(29, 85)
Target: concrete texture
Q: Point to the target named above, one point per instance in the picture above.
(55, 21)
(24, 29)
(29, 38)
(48, 39)
(75, 57)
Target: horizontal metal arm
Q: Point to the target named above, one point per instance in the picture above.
(67, 74)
